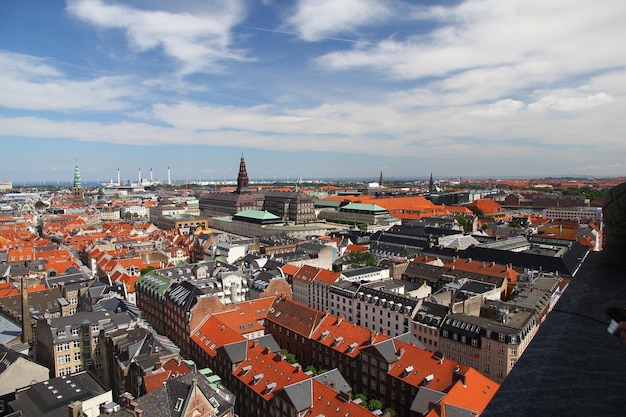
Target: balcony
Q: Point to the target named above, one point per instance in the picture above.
(573, 366)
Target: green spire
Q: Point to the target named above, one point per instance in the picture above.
(77, 183)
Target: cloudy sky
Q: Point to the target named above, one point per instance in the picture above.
(312, 88)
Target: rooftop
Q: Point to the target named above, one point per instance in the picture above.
(572, 349)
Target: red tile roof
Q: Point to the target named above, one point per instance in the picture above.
(327, 402)
(262, 369)
(345, 337)
(212, 334)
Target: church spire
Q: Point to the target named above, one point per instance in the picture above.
(77, 191)
(77, 182)
(380, 180)
(242, 178)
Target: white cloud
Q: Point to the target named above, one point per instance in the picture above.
(199, 41)
(529, 41)
(31, 83)
(568, 100)
(316, 19)
(500, 108)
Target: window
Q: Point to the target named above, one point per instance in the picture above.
(76, 356)
(75, 332)
(474, 342)
(501, 349)
(98, 364)
(179, 404)
(487, 368)
(487, 345)
(513, 351)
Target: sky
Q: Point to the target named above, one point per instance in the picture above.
(311, 89)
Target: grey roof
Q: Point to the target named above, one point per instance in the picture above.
(385, 350)
(335, 380)
(42, 401)
(162, 402)
(9, 331)
(8, 357)
(423, 398)
(410, 339)
(268, 341)
(456, 411)
(300, 394)
(237, 351)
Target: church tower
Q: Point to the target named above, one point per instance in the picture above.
(380, 180)
(77, 190)
(242, 178)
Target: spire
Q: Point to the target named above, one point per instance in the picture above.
(242, 178)
(77, 182)
(380, 180)
(77, 191)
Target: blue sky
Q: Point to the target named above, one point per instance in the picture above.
(311, 89)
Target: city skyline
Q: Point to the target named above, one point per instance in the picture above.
(311, 89)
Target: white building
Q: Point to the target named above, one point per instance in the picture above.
(574, 213)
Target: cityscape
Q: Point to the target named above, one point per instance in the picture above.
(312, 208)
(393, 299)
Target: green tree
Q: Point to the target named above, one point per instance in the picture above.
(289, 357)
(463, 222)
(391, 411)
(362, 397)
(362, 258)
(374, 404)
(147, 269)
(312, 369)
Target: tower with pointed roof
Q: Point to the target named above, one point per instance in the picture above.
(380, 180)
(242, 178)
(77, 190)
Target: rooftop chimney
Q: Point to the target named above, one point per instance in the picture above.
(27, 327)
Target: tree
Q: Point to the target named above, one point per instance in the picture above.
(374, 404)
(391, 411)
(289, 357)
(311, 369)
(147, 269)
(362, 397)
(463, 222)
(362, 258)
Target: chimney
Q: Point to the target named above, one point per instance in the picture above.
(400, 351)
(27, 327)
(75, 409)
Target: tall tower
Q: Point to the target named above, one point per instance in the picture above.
(380, 180)
(431, 184)
(27, 327)
(77, 190)
(242, 178)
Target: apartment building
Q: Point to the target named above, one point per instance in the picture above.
(67, 345)
(383, 307)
